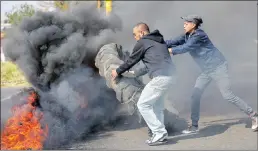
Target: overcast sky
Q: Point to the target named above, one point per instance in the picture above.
(7, 6)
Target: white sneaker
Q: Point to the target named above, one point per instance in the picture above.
(191, 129)
(157, 139)
(255, 123)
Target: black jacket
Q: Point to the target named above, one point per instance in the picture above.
(153, 51)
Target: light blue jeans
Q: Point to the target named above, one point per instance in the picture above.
(221, 77)
(151, 103)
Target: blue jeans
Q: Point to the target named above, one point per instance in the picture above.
(151, 103)
(220, 75)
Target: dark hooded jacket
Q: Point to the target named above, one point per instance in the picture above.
(153, 52)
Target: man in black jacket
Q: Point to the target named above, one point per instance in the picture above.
(152, 50)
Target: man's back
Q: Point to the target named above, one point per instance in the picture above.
(207, 55)
(156, 58)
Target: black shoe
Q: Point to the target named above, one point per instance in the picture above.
(191, 129)
(157, 140)
(149, 132)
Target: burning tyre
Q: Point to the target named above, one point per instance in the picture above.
(48, 120)
(24, 130)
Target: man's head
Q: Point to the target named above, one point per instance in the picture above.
(191, 22)
(140, 30)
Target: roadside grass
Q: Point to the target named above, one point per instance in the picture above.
(11, 76)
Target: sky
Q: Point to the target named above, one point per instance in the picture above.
(7, 6)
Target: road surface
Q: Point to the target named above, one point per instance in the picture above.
(8, 91)
(217, 132)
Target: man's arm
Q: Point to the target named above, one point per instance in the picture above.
(175, 42)
(192, 43)
(134, 58)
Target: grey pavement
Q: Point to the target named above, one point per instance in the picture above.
(216, 133)
(8, 91)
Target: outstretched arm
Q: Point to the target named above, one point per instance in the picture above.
(192, 43)
(175, 42)
(134, 58)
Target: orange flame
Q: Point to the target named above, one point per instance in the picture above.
(23, 130)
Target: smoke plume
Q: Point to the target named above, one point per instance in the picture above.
(49, 44)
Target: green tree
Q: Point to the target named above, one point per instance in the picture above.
(65, 5)
(18, 13)
(62, 5)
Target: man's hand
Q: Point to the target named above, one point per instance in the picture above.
(170, 50)
(113, 74)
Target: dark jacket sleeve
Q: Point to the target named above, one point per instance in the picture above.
(135, 57)
(193, 43)
(175, 42)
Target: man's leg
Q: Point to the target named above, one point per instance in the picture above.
(158, 109)
(220, 75)
(152, 93)
(159, 105)
(201, 83)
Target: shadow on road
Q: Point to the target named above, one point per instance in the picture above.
(211, 129)
(82, 144)
(173, 123)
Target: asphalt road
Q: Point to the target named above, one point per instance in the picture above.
(225, 132)
(216, 133)
(7, 92)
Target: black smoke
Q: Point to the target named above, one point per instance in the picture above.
(51, 43)
(56, 52)
(79, 104)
